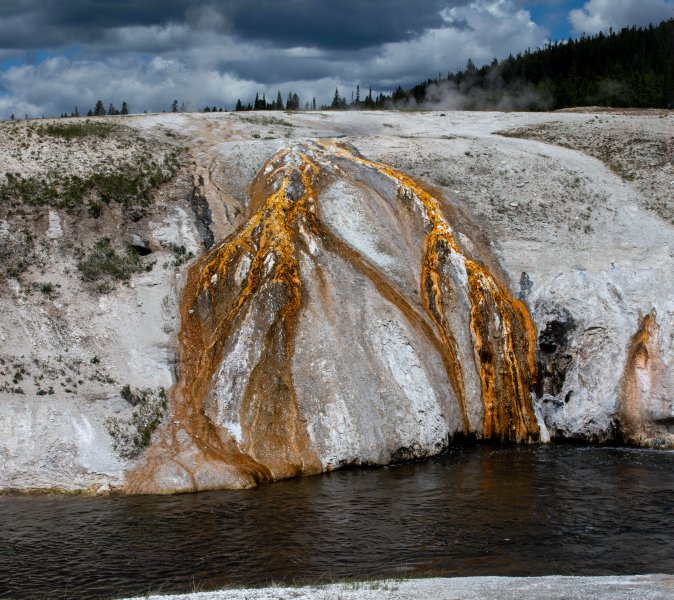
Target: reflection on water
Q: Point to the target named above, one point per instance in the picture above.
(476, 511)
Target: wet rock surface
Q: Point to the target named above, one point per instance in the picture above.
(311, 343)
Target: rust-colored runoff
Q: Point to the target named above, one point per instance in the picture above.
(642, 369)
(503, 333)
(257, 268)
(505, 352)
(274, 443)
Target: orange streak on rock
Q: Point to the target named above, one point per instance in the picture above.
(504, 351)
(257, 269)
(640, 374)
(505, 354)
(275, 444)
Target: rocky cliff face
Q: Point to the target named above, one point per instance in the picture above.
(340, 310)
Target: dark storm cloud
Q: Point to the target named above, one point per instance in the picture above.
(78, 14)
(352, 24)
(33, 24)
(344, 24)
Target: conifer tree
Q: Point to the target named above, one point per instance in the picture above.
(336, 100)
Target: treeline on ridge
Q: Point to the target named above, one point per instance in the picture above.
(633, 67)
(630, 68)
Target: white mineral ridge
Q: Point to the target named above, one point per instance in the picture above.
(631, 587)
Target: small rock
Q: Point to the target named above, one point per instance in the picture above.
(104, 489)
(214, 279)
(55, 231)
(514, 204)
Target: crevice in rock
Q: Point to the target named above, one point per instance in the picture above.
(554, 357)
(202, 212)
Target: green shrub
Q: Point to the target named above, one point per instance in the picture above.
(17, 253)
(182, 255)
(130, 436)
(131, 185)
(70, 131)
(95, 208)
(102, 262)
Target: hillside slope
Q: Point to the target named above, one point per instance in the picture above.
(99, 276)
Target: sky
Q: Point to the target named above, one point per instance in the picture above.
(58, 54)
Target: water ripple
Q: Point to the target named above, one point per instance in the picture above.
(476, 511)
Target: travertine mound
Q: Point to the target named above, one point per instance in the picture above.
(357, 314)
(346, 322)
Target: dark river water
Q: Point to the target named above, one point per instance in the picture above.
(478, 510)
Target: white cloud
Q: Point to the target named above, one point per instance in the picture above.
(58, 84)
(140, 38)
(149, 66)
(490, 28)
(599, 15)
